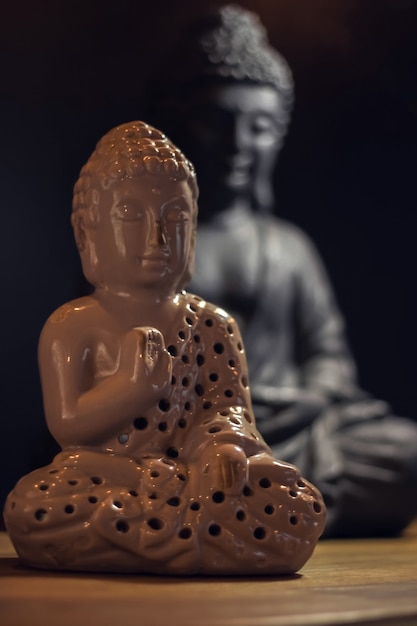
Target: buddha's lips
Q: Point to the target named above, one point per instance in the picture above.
(152, 259)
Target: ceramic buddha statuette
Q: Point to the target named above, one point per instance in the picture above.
(145, 387)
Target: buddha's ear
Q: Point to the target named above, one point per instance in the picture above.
(78, 224)
(82, 221)
(189, 268)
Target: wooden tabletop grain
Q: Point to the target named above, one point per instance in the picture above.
(368, 581)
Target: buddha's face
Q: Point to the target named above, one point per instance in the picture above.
(144, 233)
(236, 130)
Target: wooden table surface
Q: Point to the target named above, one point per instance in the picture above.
(345, 582)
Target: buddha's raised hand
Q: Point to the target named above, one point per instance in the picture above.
(145, 360)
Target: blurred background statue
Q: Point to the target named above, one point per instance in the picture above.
(228, 103)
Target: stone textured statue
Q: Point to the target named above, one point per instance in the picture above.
(231, 106)
(146, 389)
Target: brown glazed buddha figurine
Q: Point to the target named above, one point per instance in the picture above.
(146, 389)
(228, 98)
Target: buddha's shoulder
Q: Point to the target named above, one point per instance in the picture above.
(279, 227)
(73, 311)
(285, 240)
(207, 312)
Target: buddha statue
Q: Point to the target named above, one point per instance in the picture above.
(230, 101)
(145, 388)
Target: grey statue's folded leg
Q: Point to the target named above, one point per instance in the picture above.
(364, 461)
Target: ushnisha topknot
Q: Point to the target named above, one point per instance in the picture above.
(236, 46)
(226, 44)
(128, 151)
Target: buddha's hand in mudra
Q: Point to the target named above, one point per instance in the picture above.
(144, 357)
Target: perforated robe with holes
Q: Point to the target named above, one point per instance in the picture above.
(189, 487)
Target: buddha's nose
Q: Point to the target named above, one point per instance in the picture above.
(156, 234)
(236, 137)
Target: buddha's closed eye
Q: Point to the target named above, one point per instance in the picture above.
(128, 213)
(261, 123)
(176, 214)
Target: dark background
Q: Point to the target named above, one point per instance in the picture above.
(72, 70)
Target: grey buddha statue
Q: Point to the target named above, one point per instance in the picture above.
(228, 102)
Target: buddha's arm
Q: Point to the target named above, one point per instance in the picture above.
(226, 420)
(322, 352)
(224, 409)
(82, 409)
